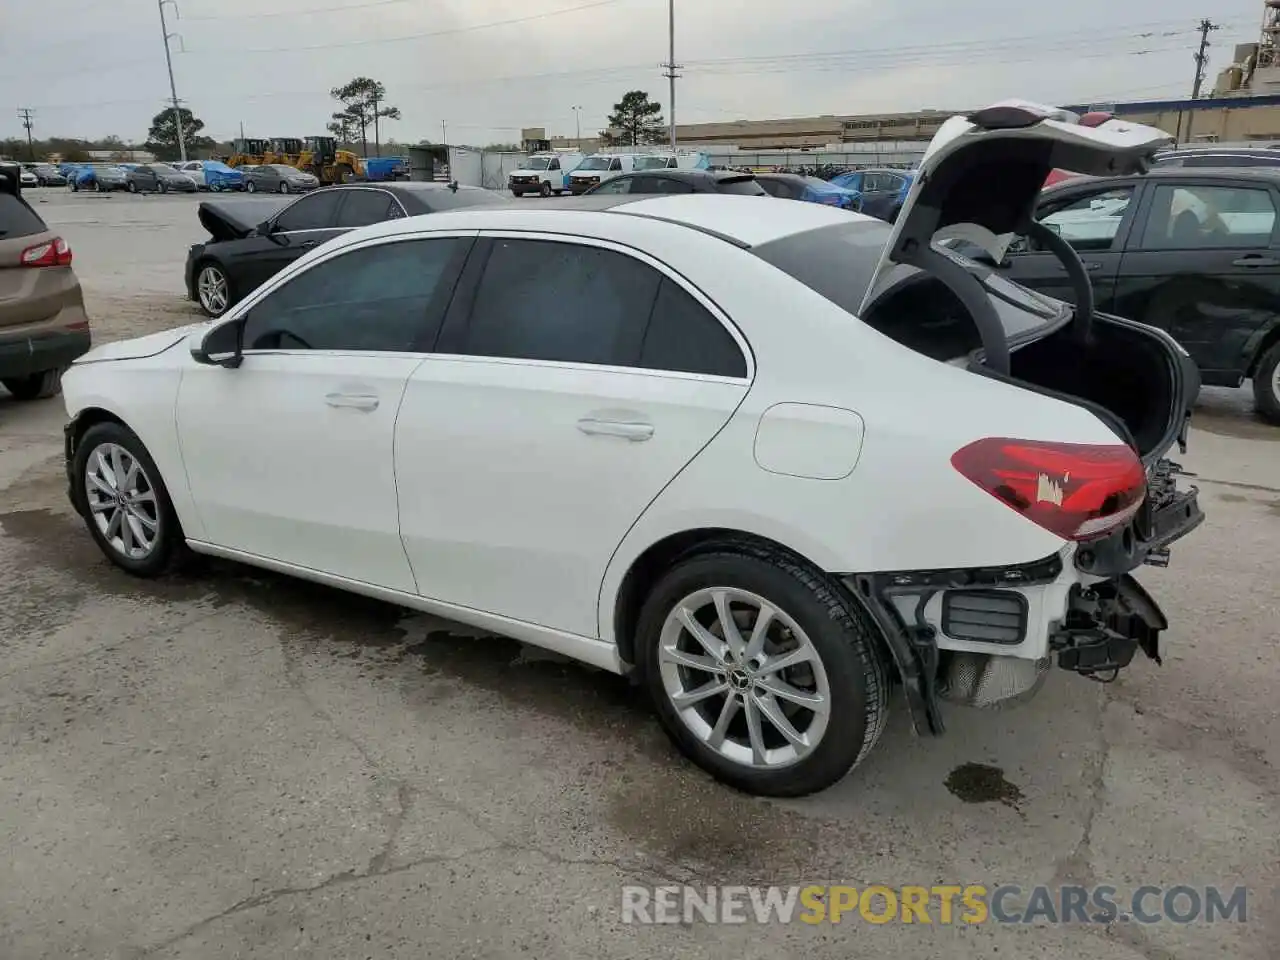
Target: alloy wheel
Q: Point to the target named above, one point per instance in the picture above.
(1275, 384)
(744, 678)
(122, 501)
(211, 285)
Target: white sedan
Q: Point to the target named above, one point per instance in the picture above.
(195, 170)
(771, 461)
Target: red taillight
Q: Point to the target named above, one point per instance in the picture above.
(1096, 118)
(1078, 491)
(51, 253)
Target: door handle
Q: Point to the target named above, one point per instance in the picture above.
(633, 430)
(1256, 260)
(352, 401)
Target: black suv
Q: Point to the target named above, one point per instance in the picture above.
(1194, 251)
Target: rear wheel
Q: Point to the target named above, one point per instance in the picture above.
(36, 386)
(284, 187)
(133, 186)
(1266, 385)
(760, 672)
(163, 188)
(251, 187)
(345, 174)
(118, 490)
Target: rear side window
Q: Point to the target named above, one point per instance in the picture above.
(684, 337)
(363, 207)
(17, 219)
(545, 300)
(1197, 216)
(745, 186)
(837, 262)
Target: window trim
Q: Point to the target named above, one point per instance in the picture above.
(670, 273)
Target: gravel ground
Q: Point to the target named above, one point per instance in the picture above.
(242, 765)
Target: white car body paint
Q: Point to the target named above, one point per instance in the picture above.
(809, 441)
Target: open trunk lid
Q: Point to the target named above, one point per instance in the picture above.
(236, 219)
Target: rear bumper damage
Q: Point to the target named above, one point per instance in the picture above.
(984, 636)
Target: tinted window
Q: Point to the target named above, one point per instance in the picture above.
(388, 297)
(555, 164)
(747, 186)
(310, 213)
(660, 185)
(615, 164)
(543, 300)
(1198, 217)
(616, 185)
(775, 188)
(1091, 221)
(17, 219)
(837, 262)
(1230, 160)
(434, 199)
(362, 207)
(684, 337)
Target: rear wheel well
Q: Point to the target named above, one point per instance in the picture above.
(1269, 341)
(649, 567)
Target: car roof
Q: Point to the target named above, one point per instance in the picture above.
(735, 219)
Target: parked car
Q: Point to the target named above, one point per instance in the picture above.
(28, 176)
(101, 179)
(277, 178)
(195, 170)
(792, 186)
(43, 326)
(158, 178)
(883, 192)
(1192, 251)
(47, 175)
(587, 428)
(252, 240)
(681, 181)
(220, 178)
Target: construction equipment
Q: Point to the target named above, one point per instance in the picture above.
(247, 153)
(286, 150)
(321, 157)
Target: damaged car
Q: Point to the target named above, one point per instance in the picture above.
(584, 426)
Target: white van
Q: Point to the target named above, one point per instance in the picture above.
(544, 174)
(679, 160)
(598, 168)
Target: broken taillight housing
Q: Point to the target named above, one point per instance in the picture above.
(50, 253)
(1078, 491)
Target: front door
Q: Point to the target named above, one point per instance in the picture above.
(301, 226)
(289, 456)
(582, 379)
(1205, 266)
(1095, 223)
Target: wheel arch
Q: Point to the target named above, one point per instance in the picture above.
(1255, 351)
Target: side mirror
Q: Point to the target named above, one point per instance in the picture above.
(223, 346)
(267, 229)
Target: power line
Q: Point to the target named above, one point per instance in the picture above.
(371, 4)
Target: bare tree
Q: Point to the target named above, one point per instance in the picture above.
(363, 105)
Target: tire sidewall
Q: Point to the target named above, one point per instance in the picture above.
(170, 531)
(1264, 390)
(852, 707)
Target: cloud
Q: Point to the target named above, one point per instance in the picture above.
(102, 71)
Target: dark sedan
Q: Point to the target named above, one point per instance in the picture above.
(793, 186)
(252, 239)
(681, 181)
(277, 178)
(158, 178)
(47, 175)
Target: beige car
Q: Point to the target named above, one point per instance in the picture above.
(43, 326)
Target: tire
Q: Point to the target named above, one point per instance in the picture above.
(345, 174)
(845, 666)
(251, 187)
(151, 509)
(75, 187)
(99, 188)
(35, 386)
(162, 188)
(545, 189)
(1266, 385)
(209, 274)
(133, 186)
(284, 188)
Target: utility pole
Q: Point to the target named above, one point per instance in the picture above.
(577, 120)
(444, 132)
(25, 114)
(377, 142)
(173, 88)
(671, 67)
(1202, 57)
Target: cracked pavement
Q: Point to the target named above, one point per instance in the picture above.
(232, 764)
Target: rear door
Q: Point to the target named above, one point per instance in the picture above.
(362, 206)
(1203, 263)
(1095, 221)
(556, 351)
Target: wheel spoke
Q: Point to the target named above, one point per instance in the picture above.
(780, 688)
(136, 533)
(701, 634)
(113, 527)
(754, 733)
(117, 470)
(759, 631)
(791, 658)
(732, 638)
(104, 471)
(690, 660)
(148, 524)
(100, 506)
(698, 694)
(130, 477)
(772, 712)
(100, 484)
(727, 713)
(126, 532)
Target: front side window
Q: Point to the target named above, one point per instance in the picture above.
(389, 297)
(1196, 217)
(315, 212)
(1091, 221)
(545, 300)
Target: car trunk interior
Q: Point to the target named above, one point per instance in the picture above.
(1124, 373)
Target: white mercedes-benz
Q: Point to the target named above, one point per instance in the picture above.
(769, 457)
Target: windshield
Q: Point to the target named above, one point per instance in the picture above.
(537, 163)
(839, 262)
(653, 163)
(595, 163)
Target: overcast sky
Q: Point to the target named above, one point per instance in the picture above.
(94, 69)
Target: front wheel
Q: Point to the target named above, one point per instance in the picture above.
(284, 188)
(35, 386)
(1266, 385)
(345, 174)
(133, 187)
(118, 490)
(761, 673)
(251, 187)
(213, 289)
